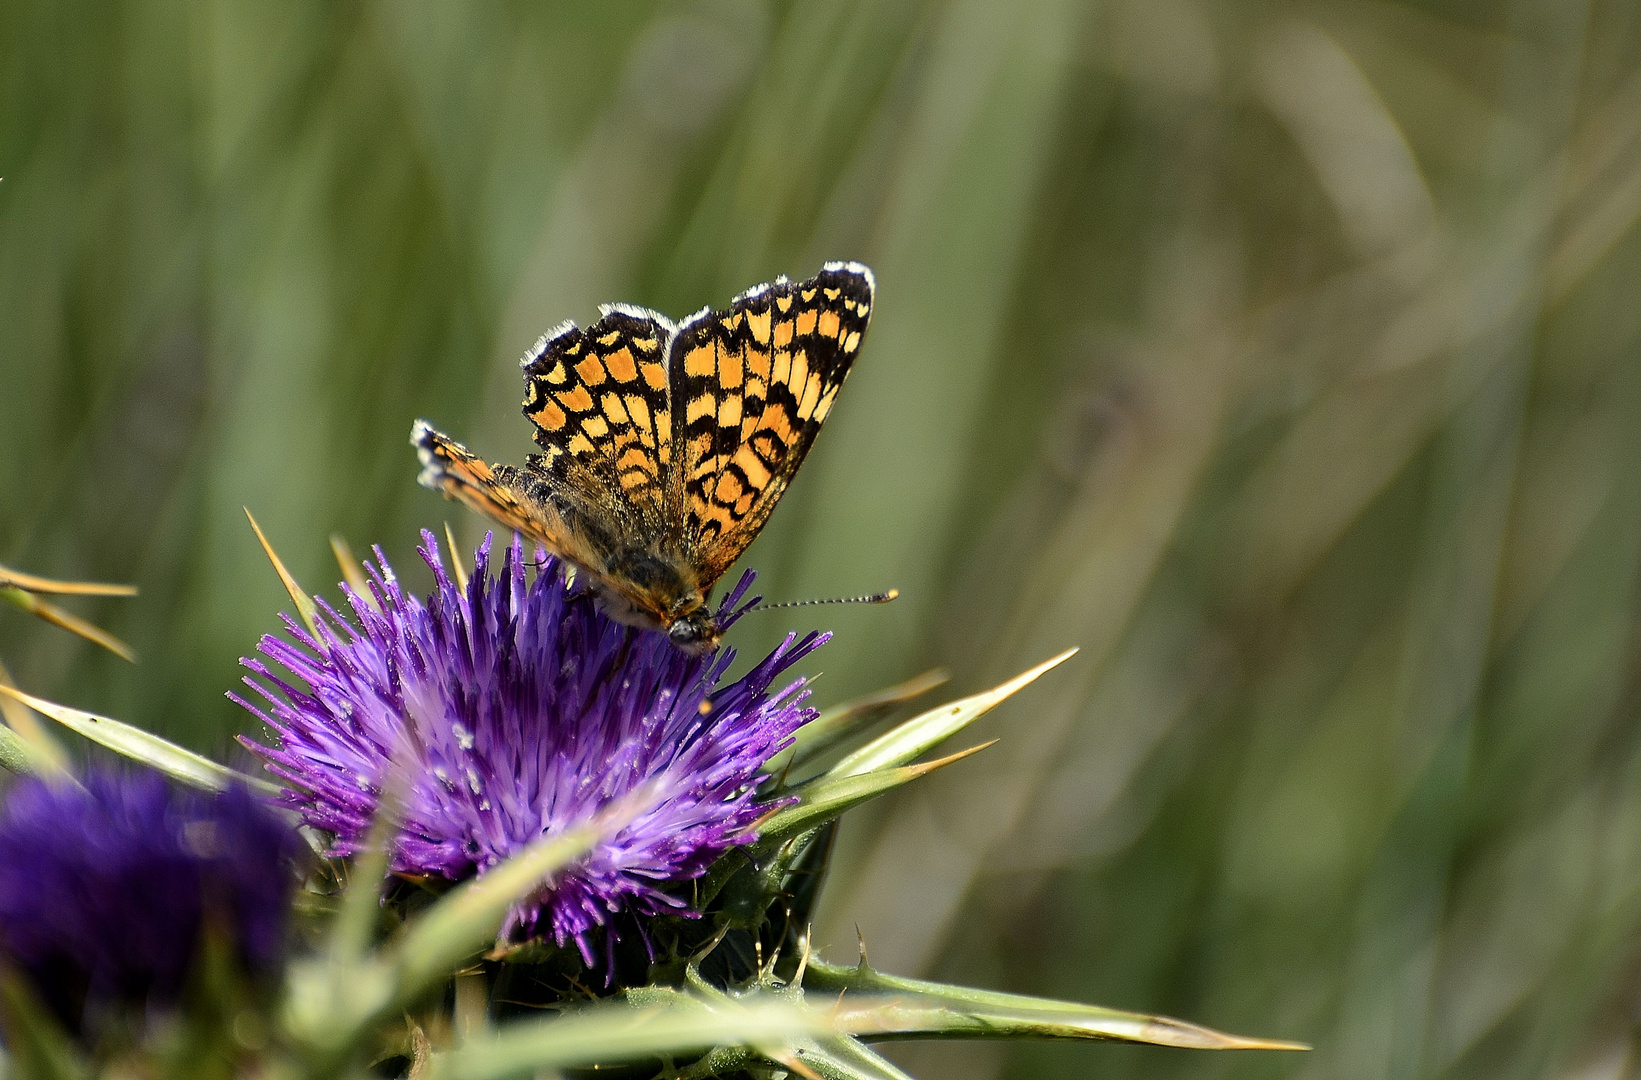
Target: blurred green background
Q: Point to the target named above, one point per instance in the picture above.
(1286, 357)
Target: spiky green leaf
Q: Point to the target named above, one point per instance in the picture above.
(193, 769)
(829, 796)
(616, 1033)
(922, 733)
(913, 1008)
(839, 722)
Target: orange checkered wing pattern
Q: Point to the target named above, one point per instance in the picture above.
(750, 388)
(598, 400)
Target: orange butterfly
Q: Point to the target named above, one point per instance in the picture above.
(665, 448)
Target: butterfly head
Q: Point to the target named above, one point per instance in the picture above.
(656, 592)
(696, 632)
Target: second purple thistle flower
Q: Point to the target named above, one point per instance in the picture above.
(512, 710)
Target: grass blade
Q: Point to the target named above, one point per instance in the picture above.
(37, 1045)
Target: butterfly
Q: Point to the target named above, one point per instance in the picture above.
(664, 448)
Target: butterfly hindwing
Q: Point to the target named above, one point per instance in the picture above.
(751, 386)
(498, 492)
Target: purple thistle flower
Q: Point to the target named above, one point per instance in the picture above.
(514, 710)
(106, 890)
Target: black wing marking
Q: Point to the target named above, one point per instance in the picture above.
(751, 386)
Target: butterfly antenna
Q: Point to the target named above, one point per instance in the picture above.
(875, 598)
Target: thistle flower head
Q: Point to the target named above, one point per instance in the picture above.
(514, 709)
(106, 890)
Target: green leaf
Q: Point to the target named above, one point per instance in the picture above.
(906, 742)
(139, 745)
(913, 1008)
(332, 1001)
(614, 1033)
(839, 722)
(823, 799)
(467, 919)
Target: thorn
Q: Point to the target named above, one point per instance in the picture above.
(55, 615)
(421, 1051)
(712, 943)
(752, 827)
(36, 584)
(803, 957)
(860, 939)
(304, 603)
(927, 767)
(456, 568)
(352, 572)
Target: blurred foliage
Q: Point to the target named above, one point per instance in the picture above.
(1283, 356)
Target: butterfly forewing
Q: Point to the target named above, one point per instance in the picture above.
(751, 386)
(598, 399)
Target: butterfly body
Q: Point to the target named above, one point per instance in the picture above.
(664, 448)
